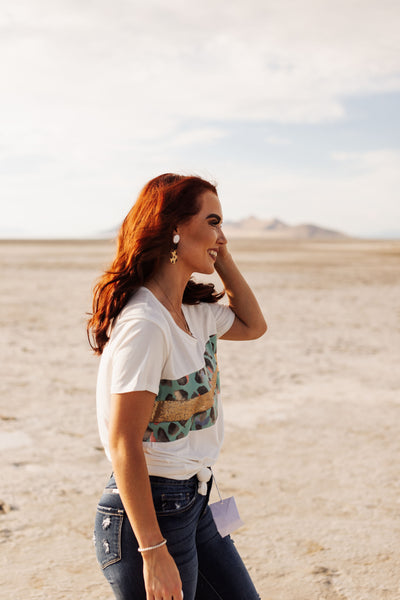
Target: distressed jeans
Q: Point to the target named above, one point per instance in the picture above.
(209, 565)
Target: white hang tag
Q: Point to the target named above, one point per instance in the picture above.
(226, 516)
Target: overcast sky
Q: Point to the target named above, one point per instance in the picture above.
(292, 106)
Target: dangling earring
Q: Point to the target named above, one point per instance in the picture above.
(173, 257)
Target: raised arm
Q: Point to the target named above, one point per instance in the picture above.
(249, 322)
(130, 415)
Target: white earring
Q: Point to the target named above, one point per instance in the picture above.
(176, 238)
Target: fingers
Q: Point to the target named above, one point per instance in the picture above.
(178, 596)
(164, 595)
(161, 576)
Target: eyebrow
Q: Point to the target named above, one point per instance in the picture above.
(214, 216)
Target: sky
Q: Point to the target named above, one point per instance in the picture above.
(291, 106)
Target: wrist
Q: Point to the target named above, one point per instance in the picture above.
(153, 556)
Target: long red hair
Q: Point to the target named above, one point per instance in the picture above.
(144, 240)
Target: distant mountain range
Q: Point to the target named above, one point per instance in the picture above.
(274, 228)
(266, 228)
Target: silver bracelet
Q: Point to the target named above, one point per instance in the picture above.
(153, 547)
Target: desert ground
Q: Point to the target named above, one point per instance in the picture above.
(312, 413)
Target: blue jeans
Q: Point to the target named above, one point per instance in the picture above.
(209, 565)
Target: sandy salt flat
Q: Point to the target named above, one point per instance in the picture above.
(312, 412)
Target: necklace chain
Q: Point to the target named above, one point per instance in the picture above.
(181, 316)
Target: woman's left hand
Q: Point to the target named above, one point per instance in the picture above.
(223, 253)
(249, 322)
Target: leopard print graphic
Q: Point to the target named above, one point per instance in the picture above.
(186, 404)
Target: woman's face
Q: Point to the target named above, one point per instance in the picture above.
(201, 237)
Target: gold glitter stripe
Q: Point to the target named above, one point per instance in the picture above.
(182, 410)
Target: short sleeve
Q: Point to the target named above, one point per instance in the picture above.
(224, 317)
(138, 356)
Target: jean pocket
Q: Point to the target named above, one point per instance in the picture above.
(107, 535)
(173, 502)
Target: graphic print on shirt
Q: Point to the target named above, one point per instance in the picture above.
(186, 404)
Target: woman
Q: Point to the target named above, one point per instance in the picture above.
(157, 396)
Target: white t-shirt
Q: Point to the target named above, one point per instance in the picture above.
(148, 351)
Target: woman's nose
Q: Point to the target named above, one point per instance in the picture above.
(221, 237)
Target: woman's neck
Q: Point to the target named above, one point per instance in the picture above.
(168, 285)
(169, 289)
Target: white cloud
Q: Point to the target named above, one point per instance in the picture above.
(98, 96)
(360, 199)
(197, 136)
(276, 140)
(285, 61)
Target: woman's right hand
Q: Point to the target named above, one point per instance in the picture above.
(130, 415)
(161, 576)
